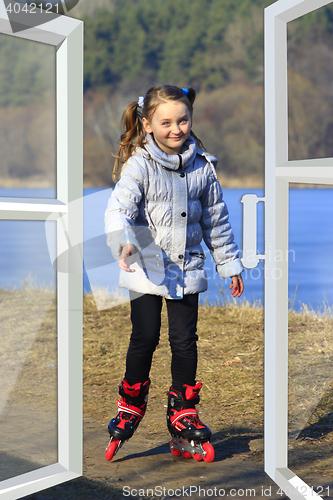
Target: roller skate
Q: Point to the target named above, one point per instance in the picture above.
(190, 437)
(131, 409)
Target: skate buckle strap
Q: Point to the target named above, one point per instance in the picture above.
(132, 390)
(192, 391)
(183, 413)
(184, 404)
(128, 408)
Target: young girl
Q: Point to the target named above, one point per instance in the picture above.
(167, 199)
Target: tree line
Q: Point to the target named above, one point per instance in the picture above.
(214, 46)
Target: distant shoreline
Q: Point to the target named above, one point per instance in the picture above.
(226, 182)
(253, 182)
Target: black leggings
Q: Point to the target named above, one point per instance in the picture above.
(146, 321)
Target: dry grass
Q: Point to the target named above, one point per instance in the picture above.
(310, 369)
(28, 347)
(247, 181)
(311, 393)
(230, 367)
(36, 181)
(230, 358)
(230, 349)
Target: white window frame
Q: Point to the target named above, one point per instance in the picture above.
(279, 173)
(66, 34)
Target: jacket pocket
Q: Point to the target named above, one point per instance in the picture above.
(201, 255)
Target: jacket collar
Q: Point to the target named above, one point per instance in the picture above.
(172, 162)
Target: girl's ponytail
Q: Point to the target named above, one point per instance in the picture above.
(133, 136)
(191, 95)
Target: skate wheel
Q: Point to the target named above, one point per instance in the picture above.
(111, 449)
(197, 457)
(175, 451)
(186, 454)
(210, 453)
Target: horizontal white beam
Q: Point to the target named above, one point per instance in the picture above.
(288, 10)
(33, 205)
(31, 208)
(319, 171)
(33, 34)
(315, 162)
(59, 28)
(294, 487)
(37, 480)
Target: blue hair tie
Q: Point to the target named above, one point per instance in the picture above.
(186, 91)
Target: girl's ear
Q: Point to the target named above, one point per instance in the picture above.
(146, 125)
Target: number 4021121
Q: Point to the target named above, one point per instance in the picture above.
(31, 8)
(304, 490)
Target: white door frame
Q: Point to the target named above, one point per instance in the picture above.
(279, 172)
(66, 34)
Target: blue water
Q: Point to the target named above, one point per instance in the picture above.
(24, 253)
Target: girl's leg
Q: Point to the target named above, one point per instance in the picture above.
(189, 434)
(183, 317)
(146, 324)
(134, 388)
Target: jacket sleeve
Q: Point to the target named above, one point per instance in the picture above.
(217, 231)
(123, 208)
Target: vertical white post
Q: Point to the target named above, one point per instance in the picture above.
(276, 227)
(70, 283)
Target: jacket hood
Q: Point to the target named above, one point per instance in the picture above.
(174, 162)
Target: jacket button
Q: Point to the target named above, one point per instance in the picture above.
(183, 214)
(182, 174)
(180, 256)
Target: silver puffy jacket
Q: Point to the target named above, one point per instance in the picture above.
(164, 205)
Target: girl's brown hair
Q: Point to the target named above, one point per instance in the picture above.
(135, 134)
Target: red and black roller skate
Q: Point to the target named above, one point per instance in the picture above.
(190, 437)
(131, 409)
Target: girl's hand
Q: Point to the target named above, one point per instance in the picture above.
(237, 286)
(126, 258)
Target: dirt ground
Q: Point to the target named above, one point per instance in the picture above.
(144, 463)
(145, 468)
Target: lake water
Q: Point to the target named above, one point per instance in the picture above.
(24, 254)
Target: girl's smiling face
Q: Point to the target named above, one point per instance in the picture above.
(170, 125)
